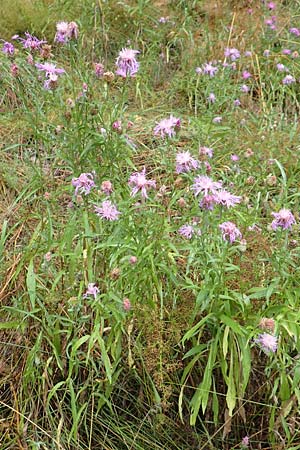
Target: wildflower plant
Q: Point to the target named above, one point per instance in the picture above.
(149, 238)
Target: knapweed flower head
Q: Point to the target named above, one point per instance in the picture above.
(84, 183)
(167, 127)
(209, 69)
(92, 289)
(127, 65)
(185, 162)
(246, 75)
(217, 119)
(295, 31)
(281, 67)
(230, 232)
(205, 185)
(138, 182)
(232, 53)
(51, 72)
(244, 88)
(98, 69)
(106, 187)
(211, 98)
(245, 442)
(30, 42)
(8, 48)
(283, 219)
(66, 31)
(267, 342)
(289, 79)
(208, 202)
(267, 324)
(227, 199)
(271, 22)
(206, 151)
(186, 231)
(107, 211)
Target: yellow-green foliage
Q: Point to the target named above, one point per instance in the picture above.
(18, 16)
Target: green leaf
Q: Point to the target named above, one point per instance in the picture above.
(31, 283)
(105, 359)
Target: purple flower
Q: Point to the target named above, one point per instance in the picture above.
(295, 31)
(268, 342)
(186, 231)
(51, 73)
(65, 31)
(31, 42)
(230, 232)
(167, 127)
(280, 67)
(205, 185)
(227, 199)
(107, 210)
(286, 51)
(247, 53)
(237, 102)
(138, 182)
(8, 48)
(271, 23)
(126, 62)
(92, 289)
(208, 202)
(288, 80)
(232, 53)
(245, 442)
(211, 98)
(217, 119)
(267, 53)
(206, 151)
(99, 69)
(245, 88)
(271, 5)
(185, 162)
(84, 183)
(283, 219)
(246, 75)
(209, 69)
(234, 157)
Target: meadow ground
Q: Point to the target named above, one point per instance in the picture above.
(149, 242)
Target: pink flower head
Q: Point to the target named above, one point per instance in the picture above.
(51, 73)
(286, 51)
(98, 69)
(271, 5)
(138, 182)
(280, 67)
(289, 79)
(185, 162)
(126, 304)
(206, 151)
(237, 102)
(208, 202)
(245, 442)
(209, 69)
(230, 232)
(232, 53)
(227, 199)
(92, 289)
(106, 187)
(246, 75)
(186, 231)
(107, 211)
(217, 119)
(167, 127)
(31, 42)
(211, 98)
(245, 88)
(205, 185)
(8, 48)
(66, 31)
(283, 219)
(268, 342)
(84, 183)
(295, 31)
(126, 62)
